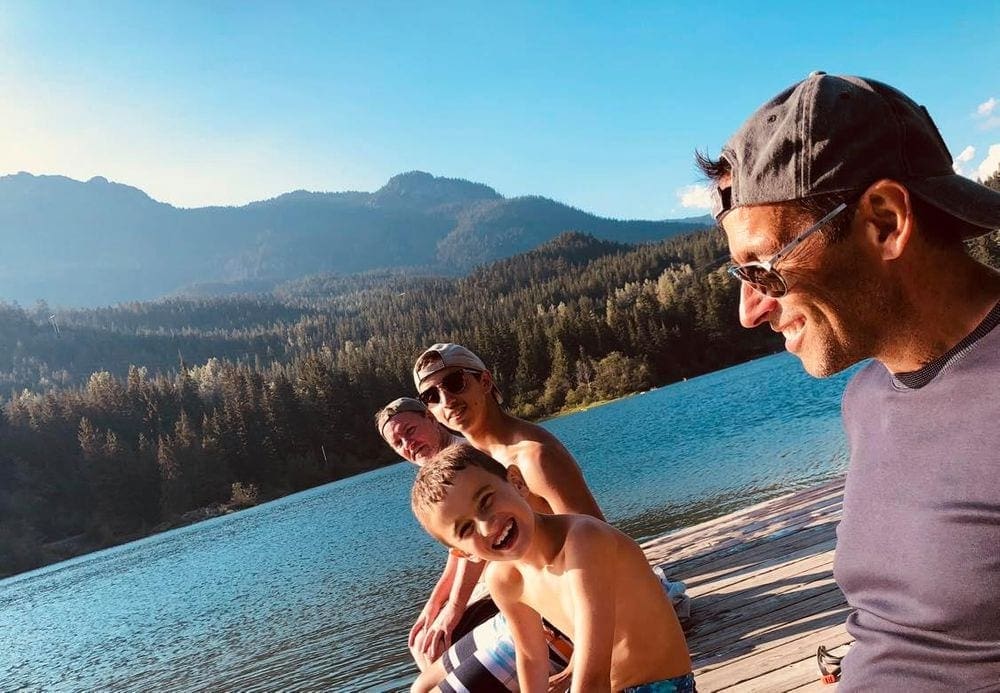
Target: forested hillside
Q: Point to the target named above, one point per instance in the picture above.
(123, 418)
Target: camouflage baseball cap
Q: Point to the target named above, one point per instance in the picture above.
(397, 406)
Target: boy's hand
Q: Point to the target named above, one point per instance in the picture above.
(427, 615)
(437, 638)
(416, 650)
(418, 626)
(418, 635)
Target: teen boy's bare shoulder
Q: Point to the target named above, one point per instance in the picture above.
(550, 471)
(622, 616)
(588, 537)
(568, 543)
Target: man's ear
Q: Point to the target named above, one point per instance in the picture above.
(888, 217)
(486, 378)
(516, 479)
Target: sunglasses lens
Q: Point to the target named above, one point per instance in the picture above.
(767, 282)
(454, 382)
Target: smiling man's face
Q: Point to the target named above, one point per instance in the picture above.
(829, 316)
(414, 436)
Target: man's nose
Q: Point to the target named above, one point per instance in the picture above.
(755, 307)
(446, 397)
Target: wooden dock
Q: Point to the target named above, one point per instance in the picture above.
(762, 592)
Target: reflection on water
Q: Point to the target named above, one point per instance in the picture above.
(318, 590)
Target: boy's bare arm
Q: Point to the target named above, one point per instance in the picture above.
(591, 571)
(506, 587)
(466, 578)
(552, 473)
(437, 599)
(437, 638)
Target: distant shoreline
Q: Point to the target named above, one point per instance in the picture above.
(590, 405)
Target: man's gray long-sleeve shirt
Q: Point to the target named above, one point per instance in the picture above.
(918, 549)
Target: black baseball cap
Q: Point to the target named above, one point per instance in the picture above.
(830, 134)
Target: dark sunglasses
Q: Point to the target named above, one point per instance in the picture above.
(453, 383)
(763, 277)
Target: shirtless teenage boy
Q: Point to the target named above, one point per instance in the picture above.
(459, 391)
(583, 576)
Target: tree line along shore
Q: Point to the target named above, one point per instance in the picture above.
(127, 420)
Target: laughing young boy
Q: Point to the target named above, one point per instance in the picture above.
(581, 575)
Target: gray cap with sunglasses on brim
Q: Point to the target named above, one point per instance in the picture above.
(448, 355)
(831, 134)
(397, 406)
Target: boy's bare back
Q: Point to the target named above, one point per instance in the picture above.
(593, 583)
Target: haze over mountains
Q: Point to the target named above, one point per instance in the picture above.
(84, 244)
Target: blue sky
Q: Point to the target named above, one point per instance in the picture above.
(599, 105)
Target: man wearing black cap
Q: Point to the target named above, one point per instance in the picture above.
(846, 223)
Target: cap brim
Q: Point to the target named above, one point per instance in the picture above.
(961, 197)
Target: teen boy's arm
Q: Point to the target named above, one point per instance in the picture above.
(551, 472)
(506, 586)
(591, 572)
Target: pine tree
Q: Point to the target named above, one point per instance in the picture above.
(559, 381)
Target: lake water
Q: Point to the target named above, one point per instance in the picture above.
(319, 589)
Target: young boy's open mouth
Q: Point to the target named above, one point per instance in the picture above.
(507, 536)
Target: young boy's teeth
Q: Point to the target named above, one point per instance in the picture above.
(503, 536)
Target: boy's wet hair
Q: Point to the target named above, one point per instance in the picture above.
(436, 477)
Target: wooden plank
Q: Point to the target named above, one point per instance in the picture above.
(744, 528)
(770, 671)
(696, 539)
(752, 642)
(815, 685)
(810, 557)
(741, 556)
(768, 607)
(762, 589)
(796, 676)
(826, 495)
(734, 551)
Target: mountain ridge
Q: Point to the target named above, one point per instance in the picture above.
(77, 243)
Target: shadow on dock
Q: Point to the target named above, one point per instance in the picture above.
(762, 591)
